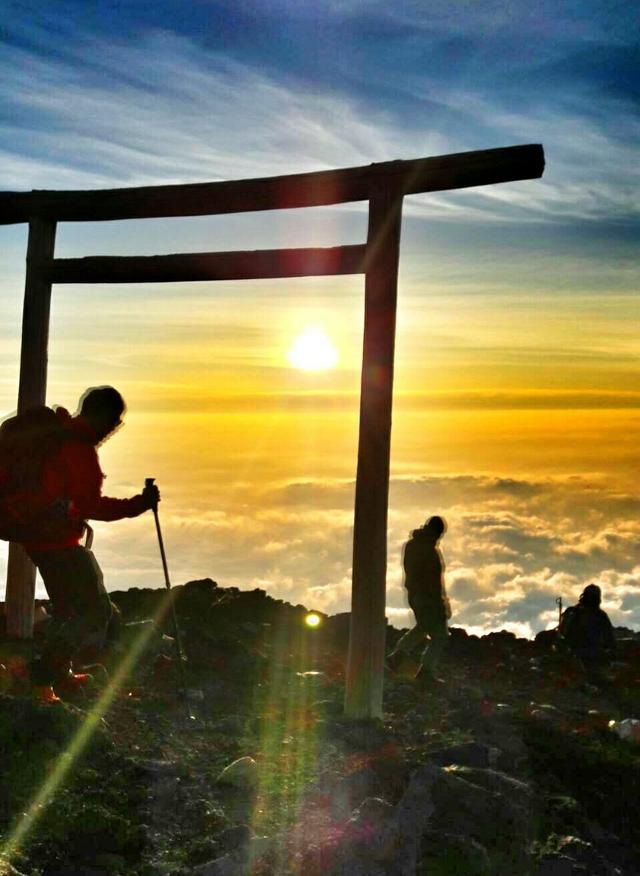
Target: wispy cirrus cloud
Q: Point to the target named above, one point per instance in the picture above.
(165, 108)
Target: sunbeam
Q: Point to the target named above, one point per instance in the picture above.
(289, 736)
(65, 762)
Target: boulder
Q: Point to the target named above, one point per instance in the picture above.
(442, 852)
(489, 807)
(231, 864)
(203, 587)
(573, 855)
(348, 791)
(237, 862)
(241, 773)
(545, 640)
(462, 646)
(77, 871)
(378, 839)
(557, 865)
(471, 754)
(362, 735)
(7, 869)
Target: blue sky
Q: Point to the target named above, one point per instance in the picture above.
(106, 93)
(520, 297)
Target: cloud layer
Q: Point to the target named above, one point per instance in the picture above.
(513, 546)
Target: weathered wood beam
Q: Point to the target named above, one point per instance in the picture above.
(21, 573)
(210, 266)
(456, 171)
(365, 662)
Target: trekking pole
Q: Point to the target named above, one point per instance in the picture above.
(176, 632)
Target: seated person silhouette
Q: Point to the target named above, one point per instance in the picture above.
(586, 631)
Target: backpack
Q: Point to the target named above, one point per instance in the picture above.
(27, 442)
(582, 627)
(568, 629)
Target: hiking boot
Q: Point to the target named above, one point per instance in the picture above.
(74, 684)
(98, 672)
(44, 694)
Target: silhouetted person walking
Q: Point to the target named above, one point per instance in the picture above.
(424, 581)
(72, 483)
(587, 632)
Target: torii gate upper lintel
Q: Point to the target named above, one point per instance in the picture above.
(384, 186)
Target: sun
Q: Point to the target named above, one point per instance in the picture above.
(312, 619)
(313, 350)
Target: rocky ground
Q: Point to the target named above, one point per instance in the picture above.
(510, 768)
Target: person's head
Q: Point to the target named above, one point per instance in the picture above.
(591, 596)
(102, 407)
(436, 527)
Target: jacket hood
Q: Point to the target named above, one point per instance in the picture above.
(423, 534)
(80, 427)
(64, 416)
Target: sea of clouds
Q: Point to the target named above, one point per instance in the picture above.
(513, 546)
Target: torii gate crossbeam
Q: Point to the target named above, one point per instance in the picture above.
(384, 186)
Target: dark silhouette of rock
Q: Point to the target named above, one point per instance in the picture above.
(470, 754)
(444, 852)
(505, 769)
(545, 640)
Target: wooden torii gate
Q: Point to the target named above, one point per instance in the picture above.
(384, 186)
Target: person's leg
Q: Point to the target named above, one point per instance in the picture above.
(80, 607)
(438, 632)
(54, 657)
(94, 608)
(114, 627)
(410, 640)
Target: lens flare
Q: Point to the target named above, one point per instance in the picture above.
(65, 762)
(313, 619)
(288, 703)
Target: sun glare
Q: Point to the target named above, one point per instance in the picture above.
(313, 350)
(312, 619)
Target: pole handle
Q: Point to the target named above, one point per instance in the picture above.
(149, 482)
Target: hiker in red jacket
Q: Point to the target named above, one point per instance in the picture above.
(72, 480)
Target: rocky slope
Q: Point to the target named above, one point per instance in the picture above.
(508, 768)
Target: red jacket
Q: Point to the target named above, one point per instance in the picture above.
(73, 474)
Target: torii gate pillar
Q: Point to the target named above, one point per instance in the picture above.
(365, 663)
(32, 391)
